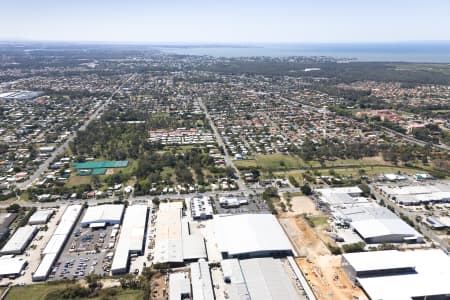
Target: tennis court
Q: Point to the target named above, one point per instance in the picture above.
(103, 164)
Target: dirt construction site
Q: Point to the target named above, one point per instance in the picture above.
(320, 267)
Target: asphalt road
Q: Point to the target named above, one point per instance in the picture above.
(62, 148)
(228, 160)
(413, 140)
(143, 199)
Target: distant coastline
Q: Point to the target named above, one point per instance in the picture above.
(413, 52)
(427, 52)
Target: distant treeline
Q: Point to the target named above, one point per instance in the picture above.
(336, 72)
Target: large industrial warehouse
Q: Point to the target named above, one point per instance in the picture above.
(372, 222)
(376, 224)
(102, 215)
(174, 244)
(57, 241)
(395, 275)
(131, 239)
(417, 194)
(258, 278)
(250, 235)
(20, 240)
(168, 234)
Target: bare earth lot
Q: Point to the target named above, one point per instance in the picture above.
(321, 269)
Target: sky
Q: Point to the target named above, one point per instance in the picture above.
(225, 21)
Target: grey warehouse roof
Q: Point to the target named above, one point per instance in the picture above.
(249, 233)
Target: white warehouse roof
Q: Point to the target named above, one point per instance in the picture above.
(376, 223)
(379, 228)
(19, 241)
(432, 275)
(202, 288)
(378, 260)
(257, 234)
(341, 190)
(194, 247)
(108, 213)
(40, 217)
(179, 285)
(169, 239)
(11, 266)
(131, 239)
(56, 242)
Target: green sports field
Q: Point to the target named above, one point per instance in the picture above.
(103, 164)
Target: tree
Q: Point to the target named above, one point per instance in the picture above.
(156, 201)
(96, 182)
(306, 189)
(293, 181)
(13, 208)
(271, 191)
(355, 247)
(229, 171)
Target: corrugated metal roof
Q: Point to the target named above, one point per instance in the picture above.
(108, 213)
(131, 237)
(378, 260)
(267, 280)
(19, 240)
(249, 233)
(202, 288)
(40, 216)
(56, 242)
(194, 247)
(179, 285)
(432, 275)
(168, 243)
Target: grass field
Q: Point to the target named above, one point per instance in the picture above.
(293, 194)
(77, 180)
(272, 162)
(317, 220)
(40, 292)
(276, 162)
(369, 171)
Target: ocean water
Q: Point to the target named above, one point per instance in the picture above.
(429, 52)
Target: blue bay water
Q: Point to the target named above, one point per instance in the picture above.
(430, 52)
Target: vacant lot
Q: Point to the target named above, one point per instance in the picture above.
(41, 292)
(273, 162)
(327, 279)
(303, 205)
(321, 269)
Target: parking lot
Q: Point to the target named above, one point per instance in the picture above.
(255, 206)
(87, 251)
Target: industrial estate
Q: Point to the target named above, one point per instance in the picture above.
(130, 173)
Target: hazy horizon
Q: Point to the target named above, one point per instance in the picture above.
(230, 22)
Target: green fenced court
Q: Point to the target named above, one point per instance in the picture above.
(105, 164)
(99, 171)
(87, 172)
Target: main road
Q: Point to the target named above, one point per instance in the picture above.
(145, 199)
(413, 140)
(63, 147)
(228, 160)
